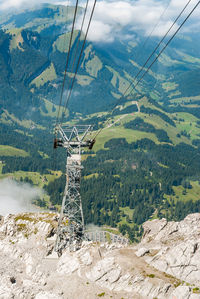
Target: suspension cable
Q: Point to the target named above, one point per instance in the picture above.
(67, 62)
(98, 132)
(83, 45)
(158, 45)
(156, 25)
(172, 37)
(143, 46)
(150, 34)
(78, 43)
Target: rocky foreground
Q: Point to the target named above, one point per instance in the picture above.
(166, 264)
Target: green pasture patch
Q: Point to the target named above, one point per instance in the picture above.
(188, 58)
(115, 128)
(82, 80)
(162, 165)
(52, 109)
(120, 132)
(87, 52)
(16, 39)
(183, 100)
(118, 81)
(127, 211)
(6, 150)
(174, 94)
(37, 179)
(168, 86)
(167, 61)
(150, 72)
(191, 106)
(154, 95)
(111, 230)
(9, 118)
(62, 42)
(47, 75)
(189, 124)
(158, 123)
(87, 177)
(43, 155)
(93, 66)
(191, 194)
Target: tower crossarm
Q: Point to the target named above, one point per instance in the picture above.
(73, 137)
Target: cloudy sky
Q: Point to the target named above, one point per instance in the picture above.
(112, 16)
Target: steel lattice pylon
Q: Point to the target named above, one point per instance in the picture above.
(70, 230)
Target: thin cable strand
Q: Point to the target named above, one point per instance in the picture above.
(79, 59)
(67, 62)
(156, 48)
(149, 36)
(166, 45)
(77, 46)
(154, 59)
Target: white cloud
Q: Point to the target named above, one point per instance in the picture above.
(17, 197)
(112, 16)
(11, 4)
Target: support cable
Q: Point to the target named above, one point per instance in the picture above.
(78, 43)
(158, 45)
(54, 152)
(79, 60)
(153, 60)
(155, 26)
(172, 37)
(67, 62)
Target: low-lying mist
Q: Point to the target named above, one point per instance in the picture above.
(17, 197)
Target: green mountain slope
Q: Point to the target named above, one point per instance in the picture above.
(155, 129)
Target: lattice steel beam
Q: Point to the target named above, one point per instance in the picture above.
(70, 230)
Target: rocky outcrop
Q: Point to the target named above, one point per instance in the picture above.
(174, 247)
(165, 264)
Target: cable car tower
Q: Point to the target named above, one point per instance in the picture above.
(70, 232)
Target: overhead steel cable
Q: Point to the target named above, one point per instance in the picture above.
(79, 60)
(67, 61)
(160, 42)
(150, 56)
(169, 41)
(155, 26)
(172, 37)
(150, 34)
(78, 43)
(55, 133)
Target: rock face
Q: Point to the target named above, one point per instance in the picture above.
(166, 264)
(175, 247)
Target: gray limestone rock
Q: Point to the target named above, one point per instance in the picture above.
(166, 264)
(181, 292)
